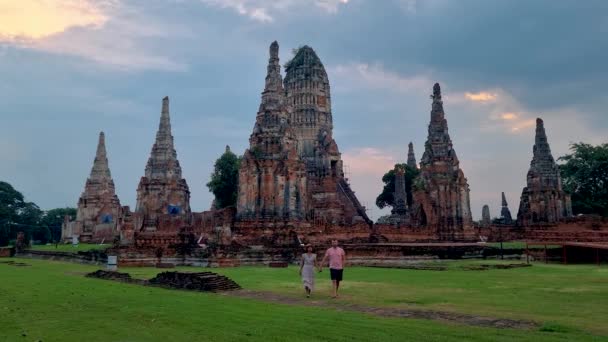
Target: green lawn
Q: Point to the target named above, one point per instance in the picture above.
(83, 247)
(52, 301)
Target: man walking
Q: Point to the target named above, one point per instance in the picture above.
(337, 259)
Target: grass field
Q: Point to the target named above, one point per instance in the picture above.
(83, 247)
(52, 301)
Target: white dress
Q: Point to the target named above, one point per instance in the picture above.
(308, 270)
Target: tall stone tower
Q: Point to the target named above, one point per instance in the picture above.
(162, 190)
(486, 220)
(543, 200)
(400, 207)
(272, 177)
(98, 206)
(308, 95)
(505, 213)
(441, 195)
(411, 157)
(307, 89)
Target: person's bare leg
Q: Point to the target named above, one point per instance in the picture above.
(335, 288)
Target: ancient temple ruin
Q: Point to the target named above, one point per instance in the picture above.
(272, 176)
(505, 213)
(486, 219)
(307, 90)
(161, 190)
(400, 196)
(441, 194)
(98, 206)
(543, 200)
(411, 157)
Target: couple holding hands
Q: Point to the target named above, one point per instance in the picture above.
(337, 259)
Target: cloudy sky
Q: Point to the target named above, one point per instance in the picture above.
(70, 68)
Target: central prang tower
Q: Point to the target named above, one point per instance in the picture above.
(292, 172)
(308, 96)
(272, 177)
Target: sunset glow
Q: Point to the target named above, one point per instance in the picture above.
(480, 97)
(35, 19)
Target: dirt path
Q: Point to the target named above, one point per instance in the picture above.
(480, 321)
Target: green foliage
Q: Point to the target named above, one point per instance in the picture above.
(386, 198)
(17, 215)
(11, 202)
(53, 219)
(585, 176)
(294, 53)
(4, 235)
(224, 180)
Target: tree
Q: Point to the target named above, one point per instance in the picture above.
(584, 174)
(386, 198)
(11, 201)
(53, 219)
(18, 215)
(14, 213)
(224, 179)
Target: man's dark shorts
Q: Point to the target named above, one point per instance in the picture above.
(336, 274)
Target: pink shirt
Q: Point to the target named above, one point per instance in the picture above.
(335, 257)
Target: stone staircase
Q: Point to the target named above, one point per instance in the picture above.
(348, 192)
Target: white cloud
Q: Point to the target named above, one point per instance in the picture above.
(375, 76)
(265, 11)
(408, 6)
(331, 6)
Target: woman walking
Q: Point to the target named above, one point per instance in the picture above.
(307, 267)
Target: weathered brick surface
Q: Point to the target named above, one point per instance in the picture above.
(543, 199)
(98, 208)
(441, 194)
(161, 190)
(292, 172)
(272, 177)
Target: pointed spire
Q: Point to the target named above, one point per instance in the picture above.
(274, 50)
(100, 169)
(543, 199)
(438, 145)
(272, 95)
(163, 161)
(164, 127)
(437, 91)
(543, 172)
(411, 157)
(437, 114)
(400, 197)
(272, 112)
(542, 151)
(505, 213)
